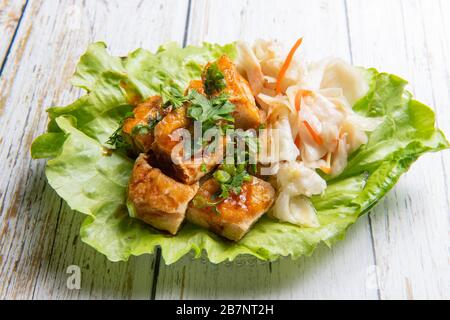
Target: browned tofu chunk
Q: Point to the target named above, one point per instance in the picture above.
(164, 140)
(196, 85)
(247, 115)
(185, 170)
(144, 113)
(156, 198)
(234, 216)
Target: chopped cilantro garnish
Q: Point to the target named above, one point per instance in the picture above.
(152, 122)
(248, 155)
(214, 80)
(140, 130)
(231, 176)
(172, 96)
(143, 129)
(129, 114)
(210, 111)
(233, 183)
(202, 202)
(117, 140)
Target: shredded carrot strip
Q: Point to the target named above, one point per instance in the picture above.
(297, 141)
(298, 98)
(286, 64)
(313, 134)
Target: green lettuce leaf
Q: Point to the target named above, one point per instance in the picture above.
(94, 182)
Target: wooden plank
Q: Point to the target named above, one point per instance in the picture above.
(339, 273)
(328, 274)
(10, 13)
(410, 227)
(38, 233)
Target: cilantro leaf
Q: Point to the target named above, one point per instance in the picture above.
(172, 96)
(143, 129)
(117, 140)
(202, 202)
(214, 80)
(209, 111)
(152, 122)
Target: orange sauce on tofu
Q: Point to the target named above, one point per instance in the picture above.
(142, 113)
(236, 208)
(237, 201)
(148, 109)
(196, 85)
(247, 115)
(163, 131)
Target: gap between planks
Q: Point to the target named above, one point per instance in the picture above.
(8, 50)
(203, 28)
(19, 277)
(158, 256)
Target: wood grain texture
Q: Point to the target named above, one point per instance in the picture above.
(402, 251)
(38, 232)
(10, 14)
(337, 273)
(410, 227)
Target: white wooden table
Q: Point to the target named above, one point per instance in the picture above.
(401, 250)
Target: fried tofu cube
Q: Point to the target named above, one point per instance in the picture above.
(171, 160)
(196, 85)
(144, 113)
(188, 171)
(164, 139)
(234, 216)
(247, 115)
(156, 198)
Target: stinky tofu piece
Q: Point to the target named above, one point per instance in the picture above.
(144, 113)
(157, 199)
(171, 160)
(247, 115)
(233, 217)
